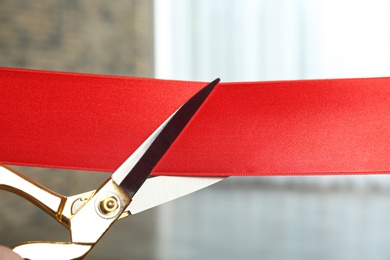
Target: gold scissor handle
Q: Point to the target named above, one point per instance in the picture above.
(48, 200)
(87, 216)
(52, 250)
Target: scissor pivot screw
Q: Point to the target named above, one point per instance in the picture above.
(108, 205)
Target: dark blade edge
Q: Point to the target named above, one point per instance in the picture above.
(141, 170)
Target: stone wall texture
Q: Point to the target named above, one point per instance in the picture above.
(95, 36)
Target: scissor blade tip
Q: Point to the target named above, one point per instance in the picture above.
(216, 81)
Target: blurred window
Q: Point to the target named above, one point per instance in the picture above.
(271, 39)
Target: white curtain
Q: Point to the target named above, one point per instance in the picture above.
(241, 40)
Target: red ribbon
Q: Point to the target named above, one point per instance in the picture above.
(94, 122)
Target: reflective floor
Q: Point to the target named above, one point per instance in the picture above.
(259, 218)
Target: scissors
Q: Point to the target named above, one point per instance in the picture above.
(128, 191)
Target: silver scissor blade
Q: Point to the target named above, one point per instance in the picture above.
(134, 172)
(120, 174)
(158, 190)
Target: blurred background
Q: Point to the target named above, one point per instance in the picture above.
(327, 217)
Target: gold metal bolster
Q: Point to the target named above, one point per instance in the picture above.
(99, 213)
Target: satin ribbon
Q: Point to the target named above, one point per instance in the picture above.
(94, 122)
